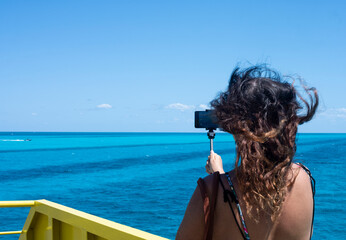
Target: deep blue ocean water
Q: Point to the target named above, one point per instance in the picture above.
(145, 180)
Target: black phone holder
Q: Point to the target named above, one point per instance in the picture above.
(211, 136)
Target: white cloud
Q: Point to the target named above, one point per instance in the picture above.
(334, 113)
(203, 106)
(184, 107)
(104, 106)
(34, 114)
(180, 106)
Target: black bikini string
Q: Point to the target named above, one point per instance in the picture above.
(313, 182)
(226, 198)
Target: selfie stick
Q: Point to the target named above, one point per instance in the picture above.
(211, 136)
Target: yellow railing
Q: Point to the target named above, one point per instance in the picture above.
(51, 221)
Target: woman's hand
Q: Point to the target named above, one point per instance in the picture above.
(214, 163)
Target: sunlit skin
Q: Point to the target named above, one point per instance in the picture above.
(214, 163)
(293, 223)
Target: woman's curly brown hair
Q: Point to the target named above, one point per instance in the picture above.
(263, 111)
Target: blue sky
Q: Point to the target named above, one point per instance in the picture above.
(148, 65)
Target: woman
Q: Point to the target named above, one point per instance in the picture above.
(266, 195)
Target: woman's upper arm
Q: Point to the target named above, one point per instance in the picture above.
(192, 226)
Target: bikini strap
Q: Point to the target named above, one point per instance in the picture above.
(246, 233)
(231, 196)
(227, 193)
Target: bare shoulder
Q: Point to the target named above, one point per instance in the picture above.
(302, 174)
(209, 180)
(301, 188)
(296, 216)
(192, 224)
(193, 220)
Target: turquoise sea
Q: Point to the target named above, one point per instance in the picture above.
(145, 180)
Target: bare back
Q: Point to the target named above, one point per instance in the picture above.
(294, 221)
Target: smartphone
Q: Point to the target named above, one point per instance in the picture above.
(206, 119)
